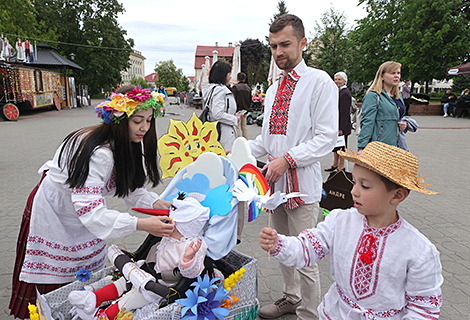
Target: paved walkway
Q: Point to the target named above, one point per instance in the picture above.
(26, 144)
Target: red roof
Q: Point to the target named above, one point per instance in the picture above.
(152, 77)
(203, 51)
(192, 78)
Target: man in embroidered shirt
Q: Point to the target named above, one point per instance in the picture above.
(300, 127)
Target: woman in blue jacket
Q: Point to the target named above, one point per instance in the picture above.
(382, 108)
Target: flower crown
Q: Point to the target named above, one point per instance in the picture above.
(119, 106)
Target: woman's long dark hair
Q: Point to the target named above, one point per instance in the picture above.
(218, 72)
(79, 146)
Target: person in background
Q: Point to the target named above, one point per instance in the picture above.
(221, 102)
(300, 127)
(116, 157)
(406, 94)
(382, 108)
(344, 109)
(449, 99)
(463, 104)
(242, 93)
(257, 98)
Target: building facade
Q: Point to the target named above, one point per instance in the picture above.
(136, 68)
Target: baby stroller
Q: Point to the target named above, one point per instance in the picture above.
(220, 237)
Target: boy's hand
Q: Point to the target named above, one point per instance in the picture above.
(268, 239)
(191, 251)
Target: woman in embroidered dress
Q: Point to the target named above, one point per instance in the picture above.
(382, 266)
(66, 221)
(222, 103)
(382, 108)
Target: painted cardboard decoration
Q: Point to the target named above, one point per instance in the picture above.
(185, 142)
(241, 153)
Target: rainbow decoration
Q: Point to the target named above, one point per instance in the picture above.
(260, 183)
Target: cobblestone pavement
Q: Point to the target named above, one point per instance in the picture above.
(441, 145)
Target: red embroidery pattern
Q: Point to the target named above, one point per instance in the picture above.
(368, 257)
(42, 253)
(278, 247)
(280, 112)
(47, 269)
(314, 243)
(415, 303)
(111, 185)
(57, 246)
(368, 313)
(291, 160)
(91, 205)
(88, 190)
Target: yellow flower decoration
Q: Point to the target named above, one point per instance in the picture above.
(185, 142)
(232, 280)
(33, 312)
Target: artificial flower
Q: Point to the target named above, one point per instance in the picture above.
(83, 274)
(204, 284)
(191, 301)
(205, 307)
(138, 94)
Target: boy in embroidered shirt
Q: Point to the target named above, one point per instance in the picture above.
(382, 266)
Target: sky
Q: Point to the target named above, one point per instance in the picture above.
(164, 30)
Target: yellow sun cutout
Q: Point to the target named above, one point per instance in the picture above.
(184, 142)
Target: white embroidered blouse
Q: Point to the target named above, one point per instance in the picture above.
(69, 227)
(392, 272)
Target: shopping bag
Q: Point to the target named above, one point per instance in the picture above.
(337, 191)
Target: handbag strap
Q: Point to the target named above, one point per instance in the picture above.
(210, 97)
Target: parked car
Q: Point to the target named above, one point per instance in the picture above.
(259, 120)
(251, 116)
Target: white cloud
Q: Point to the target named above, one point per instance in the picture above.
(164, 30)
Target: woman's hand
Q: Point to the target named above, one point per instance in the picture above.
(268, 239)
(162, 204)
(402, 125)
(191, 251)
(159, 226)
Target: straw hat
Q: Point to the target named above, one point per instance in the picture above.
(395, 164)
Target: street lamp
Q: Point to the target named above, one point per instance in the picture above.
(72, 56)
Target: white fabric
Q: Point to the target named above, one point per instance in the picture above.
(170, 253)
(190, 216)
(405, 275)
(222, 108)
(221, 233)
(312, 129)
(79, 219)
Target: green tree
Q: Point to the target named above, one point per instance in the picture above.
(281, 8)
(253, 61)
(331, 45)
(184, 84)
(429, 43)
(426, 36)
(18, 18)
(371, 38)
(102, 49)
(461, 82)
(168, 74)
(139, 82)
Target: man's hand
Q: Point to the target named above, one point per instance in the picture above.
(159, 226)
(268, 239)
(191, 251)
(275, 169)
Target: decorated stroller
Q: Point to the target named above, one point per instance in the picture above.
(214, 176)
